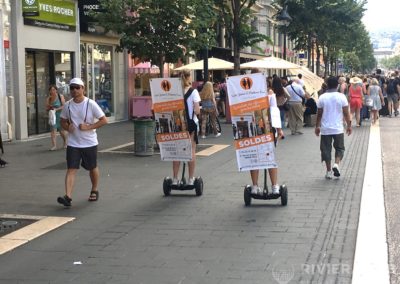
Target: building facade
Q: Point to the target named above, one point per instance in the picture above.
(48, 46)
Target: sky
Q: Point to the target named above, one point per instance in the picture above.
(382, 15)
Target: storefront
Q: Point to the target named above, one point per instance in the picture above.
(44, 51)
(103, 69)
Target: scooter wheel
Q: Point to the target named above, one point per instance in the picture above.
(247, 195)
(284, 195)
(198, 186)
(167, 186)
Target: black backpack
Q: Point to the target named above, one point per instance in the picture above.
(391, 87)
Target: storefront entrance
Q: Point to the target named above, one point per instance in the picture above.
(97, 72)
(43, 68)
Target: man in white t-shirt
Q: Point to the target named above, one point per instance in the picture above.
(81, 117)
(332, 107)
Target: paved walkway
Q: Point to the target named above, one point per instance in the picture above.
(136, 235)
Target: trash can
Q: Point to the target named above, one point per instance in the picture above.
(144, 137)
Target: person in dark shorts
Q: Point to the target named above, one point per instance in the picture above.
(332, 107)
(81, 117)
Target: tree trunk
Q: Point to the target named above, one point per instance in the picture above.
(309, 52)
(236, 49)
(317, 46)
(160, 64)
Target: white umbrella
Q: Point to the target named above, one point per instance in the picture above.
(312, 81)
(213, 64)
(269, 63)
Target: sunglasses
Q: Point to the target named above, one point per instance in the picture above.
(74, 87)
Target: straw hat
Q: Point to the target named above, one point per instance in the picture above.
(355, 80)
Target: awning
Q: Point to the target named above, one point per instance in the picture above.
(144, 68)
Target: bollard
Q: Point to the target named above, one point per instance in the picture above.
(144, 137)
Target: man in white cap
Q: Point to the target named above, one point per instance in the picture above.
(81, 117)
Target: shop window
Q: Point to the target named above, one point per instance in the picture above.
(97, 73)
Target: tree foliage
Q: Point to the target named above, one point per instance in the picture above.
(336, 26)
(391, 63)
(236, 16)
(159, 30)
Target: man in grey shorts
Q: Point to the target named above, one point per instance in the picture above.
(332, 107)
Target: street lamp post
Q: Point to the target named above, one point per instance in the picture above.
(285, 19)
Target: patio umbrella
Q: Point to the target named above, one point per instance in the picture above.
(312, 81)
(213, 64)
(269, 63)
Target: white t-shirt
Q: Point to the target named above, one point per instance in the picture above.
(296, 93)
(76, 113)
(193, 98)
(332, 104)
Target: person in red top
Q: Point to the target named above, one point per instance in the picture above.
(356, 98)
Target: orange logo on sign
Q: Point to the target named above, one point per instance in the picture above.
(166, 85)
(246, 83)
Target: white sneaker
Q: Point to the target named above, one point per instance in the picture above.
(275, 189)
(203, 137)
(255, 189)
(218, 135)
(191, 181)
(329, 175)
(175, 181)
(336, 171)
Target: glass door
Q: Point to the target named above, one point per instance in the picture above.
(97, 73)
(42, 69)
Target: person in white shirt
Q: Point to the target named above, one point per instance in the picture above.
(273, 172)
(193, 110)
(81, 117)
(297, 95)
(332, 107)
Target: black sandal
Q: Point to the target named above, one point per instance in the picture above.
(65, 200)
(3, 163)
(94, 195)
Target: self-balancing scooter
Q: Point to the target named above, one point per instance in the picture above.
(182, 185)
(266, 195)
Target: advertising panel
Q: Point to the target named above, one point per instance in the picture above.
(171, 126)
(251, 123)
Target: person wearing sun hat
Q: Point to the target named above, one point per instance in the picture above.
(356, 99)
(81, 117)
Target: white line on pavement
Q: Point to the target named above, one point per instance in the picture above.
(371, 256)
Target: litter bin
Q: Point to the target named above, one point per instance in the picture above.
(144, 137)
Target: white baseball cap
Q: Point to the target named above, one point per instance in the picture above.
(77, 81)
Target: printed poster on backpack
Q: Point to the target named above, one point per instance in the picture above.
(169, 113)
(251, 124)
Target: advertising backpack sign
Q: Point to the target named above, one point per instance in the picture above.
(170, 118)
(251, 123)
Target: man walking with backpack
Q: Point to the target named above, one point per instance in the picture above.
(393, 90)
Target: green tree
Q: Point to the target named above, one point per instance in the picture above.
(391, 62)
(351, 62)
(236, 16)
(159, 30)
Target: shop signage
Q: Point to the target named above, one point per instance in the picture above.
(53, 14)
(86, 22)
(30, 8)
